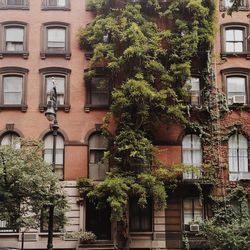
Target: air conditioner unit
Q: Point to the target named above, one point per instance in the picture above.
(194, 228)
(241, 99)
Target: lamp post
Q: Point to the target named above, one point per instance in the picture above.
(51, 116)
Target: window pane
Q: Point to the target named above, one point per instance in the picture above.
(229, 47)
(56, 37)
(230, 35)
(97, 141)
(99, 91)
(236, 84)
(15, 2)
(12, 89)
(14, 34)
(195, 84)
(186, 142)
(11, 140)
(61, 3)
(238, 34)
(228, 3)
(238, 47)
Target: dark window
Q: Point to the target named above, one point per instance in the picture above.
(98, 91)
(14, 4)
(191, 154)
(12, 86)
(14, 39)
(48, 153)
(236, 85)
(140, 219)
(56, 5)
(55, 40)
(60, 77)
(192, 211)
(234, 39)
(98, 166)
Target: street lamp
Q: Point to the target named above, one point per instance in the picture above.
(51, 116)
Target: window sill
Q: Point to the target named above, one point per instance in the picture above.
(14, 7)
(88, 54)
(66, 108)
(89, 107)
(23, 108)
(45, 8)
(24, 54)
(246, 54)
(243, 8)
(65, 54)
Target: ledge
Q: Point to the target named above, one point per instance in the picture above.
(45, 54)
(21, 107)
(246, 54)
(65, 107)
(89, 107)
(24, 54)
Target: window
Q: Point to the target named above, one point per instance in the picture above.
(61, 78)
(234, 39)
(98, 91)
(140, 219)
(55, 40)
(236, 89)
(237, 156)
(48, 153)
(56, 5)
(13, 85)
(236, 85)
(225, 4)
(14, 39)
(97, 165)
(14, 4)
(11, 139)
(192, 211)
(191, 154)
(194, 91)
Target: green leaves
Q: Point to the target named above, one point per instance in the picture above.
(27, 184)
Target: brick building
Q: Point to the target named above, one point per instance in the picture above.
(38, 41)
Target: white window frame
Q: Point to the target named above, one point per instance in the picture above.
(191, 149)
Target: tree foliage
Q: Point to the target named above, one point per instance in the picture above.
(230, 226)
(27, 184)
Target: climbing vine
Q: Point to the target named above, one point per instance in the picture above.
(148, 48)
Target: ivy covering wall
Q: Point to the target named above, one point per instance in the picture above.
(149, 48)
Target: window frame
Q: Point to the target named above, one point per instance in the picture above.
(99, 73)
(14, 71)
(239, 26)
(140, 215)
(105, 165)
(244, 7)
(63, 164)
(54, 71)
(237, 154)
(13, 24)
(190, 92)
(45, 52)
(186, 227)
(45, 6)
(191, 151)
(236, 72)
(4, 5)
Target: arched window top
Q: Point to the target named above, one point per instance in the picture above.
(191, 141)
(238, 141)
(11, 139)
(48, 141)
(97, 140)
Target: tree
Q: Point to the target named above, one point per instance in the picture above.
(230, 226)
(27, 185)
